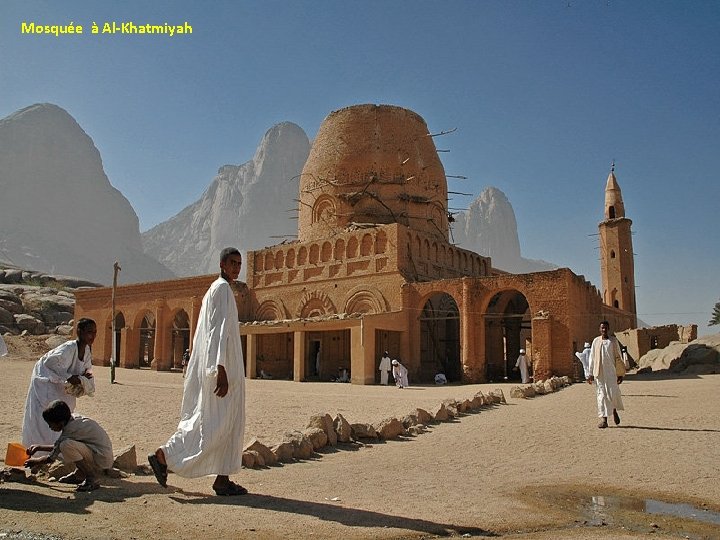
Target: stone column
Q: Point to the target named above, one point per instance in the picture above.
(251, 360)
(129, 350)
(160, 362)
(299, 353)
(542, 347)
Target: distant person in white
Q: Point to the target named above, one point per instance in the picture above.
(584, 358)
(209, 437)
(604, 351)
(522, 365)
(385, 367)
(66, 363)
(400, 374)
(3, 347)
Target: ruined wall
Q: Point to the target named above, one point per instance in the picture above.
(641, 340)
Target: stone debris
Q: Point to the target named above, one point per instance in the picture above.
(343, 429)
(390, 428)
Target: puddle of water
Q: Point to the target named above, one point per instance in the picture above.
(601, 509)
(682, 510)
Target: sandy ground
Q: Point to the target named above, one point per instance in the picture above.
(536, 468)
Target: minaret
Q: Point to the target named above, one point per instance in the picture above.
(617, 265)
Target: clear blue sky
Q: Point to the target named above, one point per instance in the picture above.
(544, 95)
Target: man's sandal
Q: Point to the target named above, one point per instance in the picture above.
(75, 477)
(87, 486)
(230, 489)
(160, 470)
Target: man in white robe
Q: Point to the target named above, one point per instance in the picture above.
(385, 367)
(400, 373)
(522, 365)
(66, 363)
(584, 358)
(209, 437)
(604, 352)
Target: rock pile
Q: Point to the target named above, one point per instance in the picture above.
(37, 303)
(323, 430)
(553, 384)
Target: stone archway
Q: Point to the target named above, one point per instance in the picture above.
(440, 338)
(180, 338)
(146, 349)
(508, 328)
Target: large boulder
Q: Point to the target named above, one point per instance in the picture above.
(390, 428)
(324, 422)
(302, 447)
(363, 431)
(317, 437)
(268, 456)
(343, 429)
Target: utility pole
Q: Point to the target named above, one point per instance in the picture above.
(113, 359)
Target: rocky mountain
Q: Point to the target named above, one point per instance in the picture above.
(245, 206)
(58, 211)
(490, 229)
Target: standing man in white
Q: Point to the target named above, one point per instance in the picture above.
(522, 365)
(209, 437)
(385, 367)
(604, 354)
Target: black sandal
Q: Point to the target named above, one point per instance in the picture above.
(159, 470)
(230, 489)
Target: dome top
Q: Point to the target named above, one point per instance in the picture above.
(372, 164)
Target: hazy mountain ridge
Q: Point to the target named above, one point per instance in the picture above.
(58, 211)
(490, 229)
(244, 206)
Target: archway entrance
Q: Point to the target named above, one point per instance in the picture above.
(146, 352)
(180, 337)
(440, 339)
(508, 329)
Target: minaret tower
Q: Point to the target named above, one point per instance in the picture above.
(616, 252)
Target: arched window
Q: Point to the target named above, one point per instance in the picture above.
(611, 212)
(612, 253)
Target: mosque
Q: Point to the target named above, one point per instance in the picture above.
(373, 270)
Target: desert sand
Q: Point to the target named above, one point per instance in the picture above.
(533, 468)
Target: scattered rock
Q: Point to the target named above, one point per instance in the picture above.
(342, 428)
(283, 452)
(126, 459)
(324, 422)
(268, 456)
(390, 428)
(363, 431)
(317, 437)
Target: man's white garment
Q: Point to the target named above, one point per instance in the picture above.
(47, 384)
(584, 358)
(400, 373)
(209, 437)
(522, 364)
(602, 366)
(3, 347)
(385, 367)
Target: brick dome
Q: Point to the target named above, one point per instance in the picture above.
(372, 164)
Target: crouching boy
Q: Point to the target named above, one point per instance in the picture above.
(82, 442)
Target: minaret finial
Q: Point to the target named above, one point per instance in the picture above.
(612, 166)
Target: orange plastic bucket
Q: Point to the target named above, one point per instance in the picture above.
(16, 456)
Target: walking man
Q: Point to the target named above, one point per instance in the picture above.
(209, 437)
(604, 356)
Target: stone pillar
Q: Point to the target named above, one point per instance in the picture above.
(467, 346)
(130, 348)
(362, 354)
(251, 360)
(299, 352)
(542, 347)
(160, 362)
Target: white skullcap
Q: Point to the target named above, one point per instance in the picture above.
(395, 362)
(586, 345)
(522, 351)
